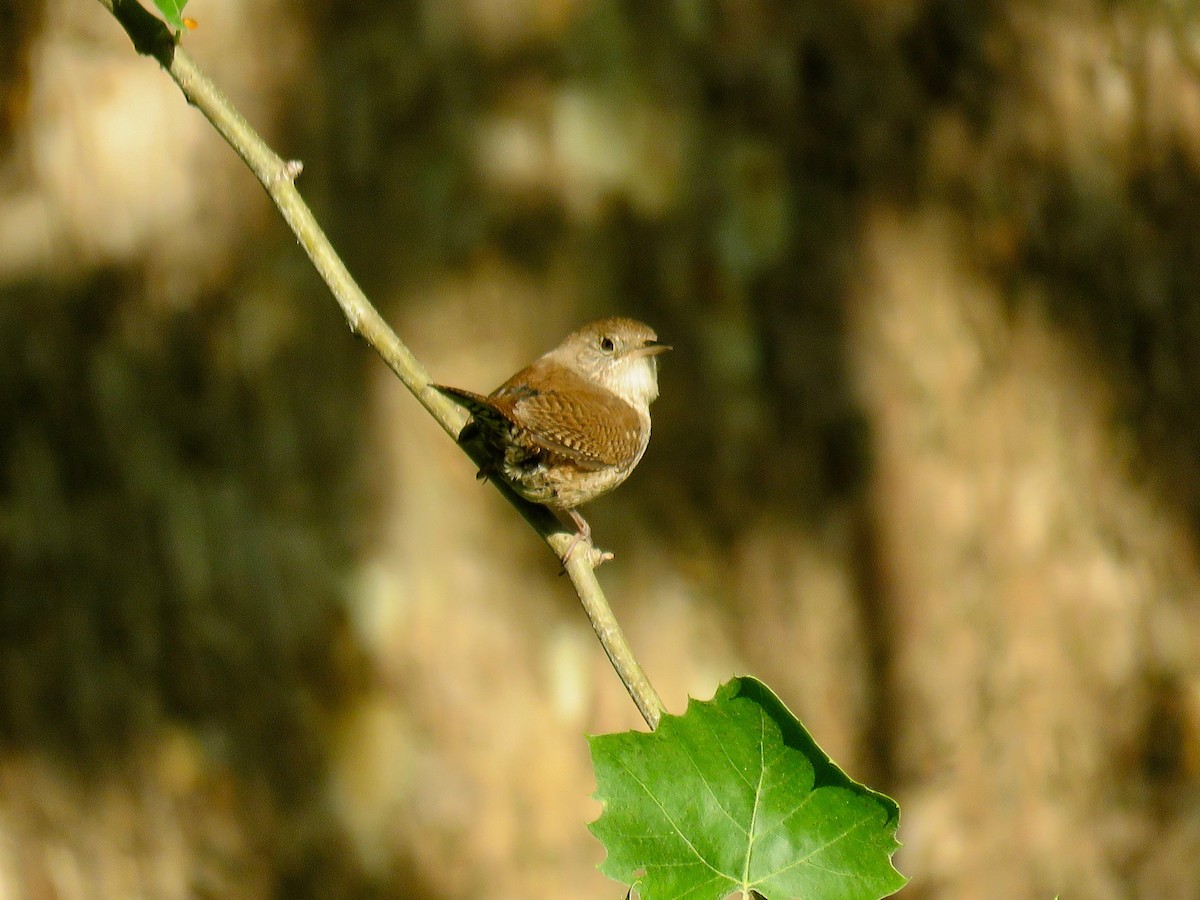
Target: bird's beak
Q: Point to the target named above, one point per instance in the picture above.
(651, 348)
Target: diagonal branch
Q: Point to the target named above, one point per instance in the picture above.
(151, 37)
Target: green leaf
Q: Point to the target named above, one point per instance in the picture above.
(735, 795)
(172, 11)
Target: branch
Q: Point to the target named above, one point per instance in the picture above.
(151, 37)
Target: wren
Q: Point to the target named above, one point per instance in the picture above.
(574, 423)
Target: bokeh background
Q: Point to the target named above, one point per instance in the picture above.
(926, 457)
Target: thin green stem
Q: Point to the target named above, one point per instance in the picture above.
(151, 37)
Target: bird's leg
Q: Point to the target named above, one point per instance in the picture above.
(583, 533)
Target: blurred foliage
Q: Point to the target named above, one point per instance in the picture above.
(174, 528)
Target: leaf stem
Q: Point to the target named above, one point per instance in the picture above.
(151, 37)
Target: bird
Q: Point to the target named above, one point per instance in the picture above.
(572, 425)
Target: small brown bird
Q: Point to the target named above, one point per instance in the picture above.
(572, 425)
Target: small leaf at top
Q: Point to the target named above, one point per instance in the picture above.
(172, 11)
(734, 796)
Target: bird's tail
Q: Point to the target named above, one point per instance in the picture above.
(468, 400)
(485, 417)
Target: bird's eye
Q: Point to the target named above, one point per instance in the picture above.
(607, 345)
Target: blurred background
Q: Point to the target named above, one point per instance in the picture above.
(925, 458)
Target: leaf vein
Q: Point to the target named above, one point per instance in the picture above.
(645, 788)
(729, 759)
(758, 791)
(804, 860)
(708, 787)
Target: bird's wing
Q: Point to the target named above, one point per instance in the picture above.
(569, 416)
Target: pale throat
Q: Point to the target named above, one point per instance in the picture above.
(635, 382)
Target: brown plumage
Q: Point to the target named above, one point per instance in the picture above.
(572, 425)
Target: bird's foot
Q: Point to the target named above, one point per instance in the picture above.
(583, 534)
